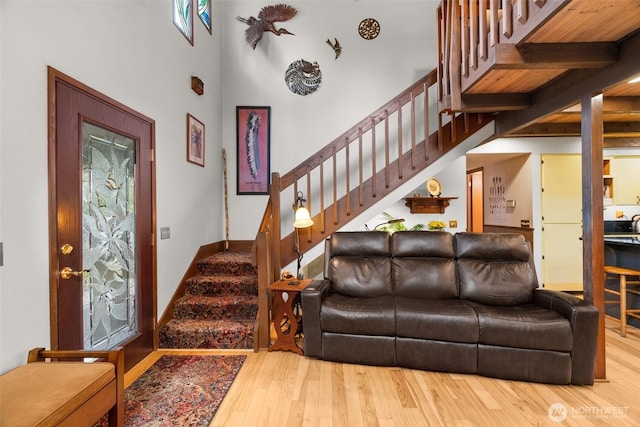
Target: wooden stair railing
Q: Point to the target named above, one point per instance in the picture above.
(351, 174)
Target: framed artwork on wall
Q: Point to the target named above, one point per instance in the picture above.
(253, 145)
(183, 18)
(204, 12)
(195, 140)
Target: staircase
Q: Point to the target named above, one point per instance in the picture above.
(227, 303)
(219, 308)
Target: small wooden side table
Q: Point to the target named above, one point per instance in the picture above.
(282, 309)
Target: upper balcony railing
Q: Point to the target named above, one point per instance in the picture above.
(469, 30)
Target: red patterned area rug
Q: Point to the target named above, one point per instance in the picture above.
(180, 390)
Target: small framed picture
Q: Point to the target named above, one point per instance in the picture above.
(195, 140)
(183, 18)
(204, 12)
(253, 158)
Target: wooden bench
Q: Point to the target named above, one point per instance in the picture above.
(58, 388)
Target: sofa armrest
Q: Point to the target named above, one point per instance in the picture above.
(312, 297)
(114, 356)
(583, 318)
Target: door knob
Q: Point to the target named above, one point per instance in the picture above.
(67, 273)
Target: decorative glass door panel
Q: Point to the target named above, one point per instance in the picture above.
(108, 237)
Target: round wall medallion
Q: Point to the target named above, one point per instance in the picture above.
(369, 28)
(303, 77)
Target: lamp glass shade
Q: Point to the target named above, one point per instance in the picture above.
(302, 218)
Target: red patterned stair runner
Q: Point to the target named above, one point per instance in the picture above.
(219, 308)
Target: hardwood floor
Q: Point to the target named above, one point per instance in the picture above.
(284, 389)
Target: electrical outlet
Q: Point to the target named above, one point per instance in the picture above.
(165, 232)
(453, 223)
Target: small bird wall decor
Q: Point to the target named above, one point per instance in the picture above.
(335, 46)
(264, 22)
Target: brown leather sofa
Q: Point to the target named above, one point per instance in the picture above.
(464, 303)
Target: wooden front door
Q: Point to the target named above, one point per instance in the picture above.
(102, 222)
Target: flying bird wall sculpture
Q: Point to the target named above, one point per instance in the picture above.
(265, 22)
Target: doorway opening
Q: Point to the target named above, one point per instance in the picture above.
(475, 197)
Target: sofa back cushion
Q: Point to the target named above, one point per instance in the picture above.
(423, 265)
(359, 263)
(494, 268)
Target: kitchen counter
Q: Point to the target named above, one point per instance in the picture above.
(623, 238)
(622, 250)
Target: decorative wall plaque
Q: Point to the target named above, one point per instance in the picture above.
(369, 28)
(303, 77)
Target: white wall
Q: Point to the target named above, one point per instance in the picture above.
(366, 75)
(453, 181)
(130, 51)
(517, 171)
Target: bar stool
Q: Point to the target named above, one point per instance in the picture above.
(622, 274)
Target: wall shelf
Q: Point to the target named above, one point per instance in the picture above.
(428, 204)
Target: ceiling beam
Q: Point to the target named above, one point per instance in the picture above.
(612, 104)
(568, 89)
(490, 103)
(611, 130)
(622, 142)
(532, 56)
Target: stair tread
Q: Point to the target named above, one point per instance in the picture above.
(219, 307)
(229, 263)
(207, 323)
(230, 256)
(222, 285)
(198, 333)
(218, 300)
(223, 278)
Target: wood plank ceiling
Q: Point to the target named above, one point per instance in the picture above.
(588, 46)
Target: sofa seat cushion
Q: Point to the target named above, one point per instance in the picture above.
(359, 316)
(359, 349)
(443, 320)
(44, 393)
(524, 326)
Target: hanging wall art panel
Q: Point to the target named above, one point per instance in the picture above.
(253, 145)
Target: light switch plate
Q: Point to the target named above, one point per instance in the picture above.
(165, 232)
